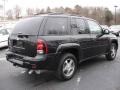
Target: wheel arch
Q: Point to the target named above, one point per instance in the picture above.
(116, 42)
(72, 48)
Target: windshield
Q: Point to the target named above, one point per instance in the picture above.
(29, 26)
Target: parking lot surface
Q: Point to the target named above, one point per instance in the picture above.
(94, 74)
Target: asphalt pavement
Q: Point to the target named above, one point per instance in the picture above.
(94, 74)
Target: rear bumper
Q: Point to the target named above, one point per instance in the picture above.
(46, 62)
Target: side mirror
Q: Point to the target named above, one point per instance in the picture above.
(106, 31)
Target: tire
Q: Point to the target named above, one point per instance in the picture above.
(68, 61)
(112, 54)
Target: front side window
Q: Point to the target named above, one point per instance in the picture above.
(94, 27)
(56, 26)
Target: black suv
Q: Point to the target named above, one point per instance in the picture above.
(58, 42)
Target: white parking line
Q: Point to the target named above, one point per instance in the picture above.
(78, 80)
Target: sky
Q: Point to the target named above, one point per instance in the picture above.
(10, 4)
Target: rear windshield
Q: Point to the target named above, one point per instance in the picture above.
(29, 26)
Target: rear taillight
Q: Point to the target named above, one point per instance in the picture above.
(41, 47)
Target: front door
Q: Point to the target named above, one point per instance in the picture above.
(99, 43)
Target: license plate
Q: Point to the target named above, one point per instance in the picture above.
(19, 44)
(16, 61)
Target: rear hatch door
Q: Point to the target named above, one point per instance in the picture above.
(24, 36)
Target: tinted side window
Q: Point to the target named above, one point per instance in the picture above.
(94, 27)
(78, 26)
(56, 26)
(81, 26)
(74, 28)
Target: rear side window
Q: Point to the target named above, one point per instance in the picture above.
(28, 26)
(56, 26)
(74, 28)
(81, 26)
(78, 26)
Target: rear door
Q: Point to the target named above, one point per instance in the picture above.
(81, 35)
(24, 36)
(56, 32)
(99, 45)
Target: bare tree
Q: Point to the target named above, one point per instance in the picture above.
(100, 14)
(108, 16)
(68, 10)
(85, 12)
(48, 10)
(56, 10)
(9, 14)
(78, 10)
(30, 11)
(62, 10)
(42, 11)
(37, 11)
(17, 11)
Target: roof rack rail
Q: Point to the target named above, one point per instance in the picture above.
(75, 15)
(64, 14)
(54, 13)
(59, 13)
(50, 13)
